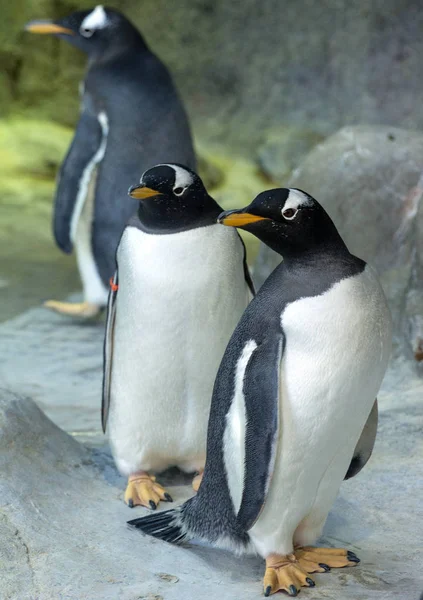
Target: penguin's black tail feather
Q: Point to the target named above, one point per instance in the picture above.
(166, 525)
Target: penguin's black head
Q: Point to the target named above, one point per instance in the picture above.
(96, 31)
(173, 198)
(289, 221)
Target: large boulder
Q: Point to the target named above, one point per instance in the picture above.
(62, 525)
(370, 180)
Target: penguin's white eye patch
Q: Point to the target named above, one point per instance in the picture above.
(289, 213)
(96, 19)
(178, 191)
(86, 32)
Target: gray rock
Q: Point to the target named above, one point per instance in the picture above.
(370, 180)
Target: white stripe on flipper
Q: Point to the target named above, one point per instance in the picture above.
(81, 222)
(234, 435)
(86, 175)
(94, 289)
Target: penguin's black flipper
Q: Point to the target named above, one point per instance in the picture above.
(365, 444)
(247, 273)
(261, 393)
(74, 178)
(108, 350)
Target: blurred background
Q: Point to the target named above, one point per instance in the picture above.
(263, 83)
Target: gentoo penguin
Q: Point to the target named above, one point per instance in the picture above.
(131, 119)
(181, 286)
(292, 395)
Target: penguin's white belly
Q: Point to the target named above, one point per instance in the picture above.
(337, 349)
(180, 297)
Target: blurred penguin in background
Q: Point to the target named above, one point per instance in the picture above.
(131, 119)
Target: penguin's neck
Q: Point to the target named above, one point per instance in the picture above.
(325, 259)
(308, 246)
(305, 254)
(311, 273)
(129, 47)
(163, 220)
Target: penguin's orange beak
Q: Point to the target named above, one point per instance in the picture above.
(45, 27)
(140, 192)
(235, 218)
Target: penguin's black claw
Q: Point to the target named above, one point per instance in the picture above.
(130, 503)
(353, 557)
(267, 591)
(292, 590)
(153, 505)
(310, 582)
(168, 497)
(325, 567)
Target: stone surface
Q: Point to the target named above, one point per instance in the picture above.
(62, 517)
(57, 362)
(370, 180)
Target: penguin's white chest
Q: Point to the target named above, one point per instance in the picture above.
(180, 297)
(336, 353)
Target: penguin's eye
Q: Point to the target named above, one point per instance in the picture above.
(179, 191)
(86, 32)
(289, 213)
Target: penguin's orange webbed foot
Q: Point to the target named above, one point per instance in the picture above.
(284, 573)
(196, 482)
(142, 490)
(74, 309)
(320, 560)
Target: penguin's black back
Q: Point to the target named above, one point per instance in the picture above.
(147, 124)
